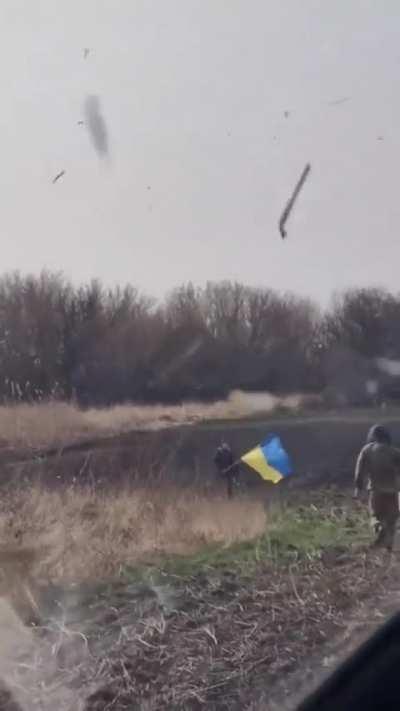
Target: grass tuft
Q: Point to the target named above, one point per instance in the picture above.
(290, 535)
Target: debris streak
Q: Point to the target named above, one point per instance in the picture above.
(292, 200)
(96, 125)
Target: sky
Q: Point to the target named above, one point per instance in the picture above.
(200, 157)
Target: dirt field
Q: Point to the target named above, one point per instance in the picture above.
(56, 424)
(323, 448)
(145, 588)
(226, 628)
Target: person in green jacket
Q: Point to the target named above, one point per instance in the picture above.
(378, 468)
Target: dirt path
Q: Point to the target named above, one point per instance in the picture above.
(236, 644)
(219, 635)
(360, 622)
(216, 643)
(323, 449)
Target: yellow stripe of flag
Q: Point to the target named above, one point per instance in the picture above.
(256, 460)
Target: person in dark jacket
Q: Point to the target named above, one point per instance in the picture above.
(225, 462)
(378, 467)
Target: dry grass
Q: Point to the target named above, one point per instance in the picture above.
(79, 538)
(83, 535)
(215, 641)
(231, 641)
(55, 423)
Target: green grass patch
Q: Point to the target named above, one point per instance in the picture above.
(310, 530)
(292, 534)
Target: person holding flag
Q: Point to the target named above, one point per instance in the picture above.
(269, 459)
(224, 460)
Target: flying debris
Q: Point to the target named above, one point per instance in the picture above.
(58, 176)
(86, 52)
(339, 101)
(292, 200)
(96, 125)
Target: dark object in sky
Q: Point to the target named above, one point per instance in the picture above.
(86, 52)
(58, 176)
(339, 101)
(286, 114)
(96, 125)
(380, 138)
(81, 123)
(368, 680)
(292, 200)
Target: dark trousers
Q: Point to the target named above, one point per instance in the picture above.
(229, 485)
(230, 480)
(384, 510)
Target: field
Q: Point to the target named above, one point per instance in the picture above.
(54, 424)
(139, 585)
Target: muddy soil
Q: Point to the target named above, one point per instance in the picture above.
(223, 642)
(362, 620)
(219, 639)
(323, 450)
(214, 641)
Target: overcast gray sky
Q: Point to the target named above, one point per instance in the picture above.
(201, 158)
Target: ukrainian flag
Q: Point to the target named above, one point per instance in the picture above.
(270, 460)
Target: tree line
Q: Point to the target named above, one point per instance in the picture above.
(102, 346)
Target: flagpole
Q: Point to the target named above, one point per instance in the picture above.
(231, 466)
(235, 464)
